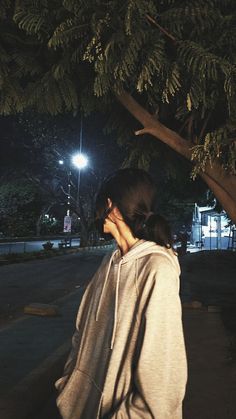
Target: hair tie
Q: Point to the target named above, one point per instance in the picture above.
(148, 215)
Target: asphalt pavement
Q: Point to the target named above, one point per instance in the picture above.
(44, 280)
(32, 352)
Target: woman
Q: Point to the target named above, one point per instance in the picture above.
(128, 355)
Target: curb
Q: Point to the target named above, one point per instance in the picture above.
(30, 393)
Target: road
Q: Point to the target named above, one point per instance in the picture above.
(44, 281)
(30, 246)
(36, 245)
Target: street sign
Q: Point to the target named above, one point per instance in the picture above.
(67, 224)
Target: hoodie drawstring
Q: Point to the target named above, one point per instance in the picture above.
(116, 305)
(104, 286)
(116, 297)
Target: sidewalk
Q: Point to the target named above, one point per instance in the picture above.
(33, 351)
(211, 390)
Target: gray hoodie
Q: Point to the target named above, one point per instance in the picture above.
(128, 355)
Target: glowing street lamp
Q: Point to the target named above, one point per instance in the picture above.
(80, 160)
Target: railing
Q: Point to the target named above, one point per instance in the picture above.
(25, 246)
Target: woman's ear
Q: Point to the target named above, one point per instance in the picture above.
(109, 201)
(117, 213)
(115, 210)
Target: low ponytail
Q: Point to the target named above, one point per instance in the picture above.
(155, 228)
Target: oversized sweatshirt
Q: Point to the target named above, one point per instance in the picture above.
(128, 355)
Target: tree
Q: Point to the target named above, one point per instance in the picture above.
(170, 63)
(20, 206)
(28, 160)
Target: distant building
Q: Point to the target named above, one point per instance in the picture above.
(210, 229)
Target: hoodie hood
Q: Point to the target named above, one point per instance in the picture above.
(140, 249)
(144, 248)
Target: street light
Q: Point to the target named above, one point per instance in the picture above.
(80, 160)
(67, 218)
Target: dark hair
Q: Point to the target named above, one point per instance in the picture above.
(133, 192)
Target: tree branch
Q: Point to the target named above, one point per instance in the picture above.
(225, 199)
(154, 127)
(163, 30)
(142, 131)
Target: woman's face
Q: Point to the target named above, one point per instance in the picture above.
(113, 220)
(109, 225)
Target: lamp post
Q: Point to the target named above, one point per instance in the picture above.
(67, 218)
(68, 194)
(80, 161)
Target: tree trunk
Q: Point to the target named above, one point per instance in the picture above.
(222, 183)
(84, 236)
(38, 226)
(84, 231)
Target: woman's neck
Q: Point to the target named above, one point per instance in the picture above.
(121, 232)
(125, 243)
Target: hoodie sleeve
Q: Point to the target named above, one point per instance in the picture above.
(72, 357)
(160, 372)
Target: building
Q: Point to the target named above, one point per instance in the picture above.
(211, 230)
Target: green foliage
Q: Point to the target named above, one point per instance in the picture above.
(56, 93)
(214, 146)
(59, 56)
(4, 7)
(153, 63)
(19, 208)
